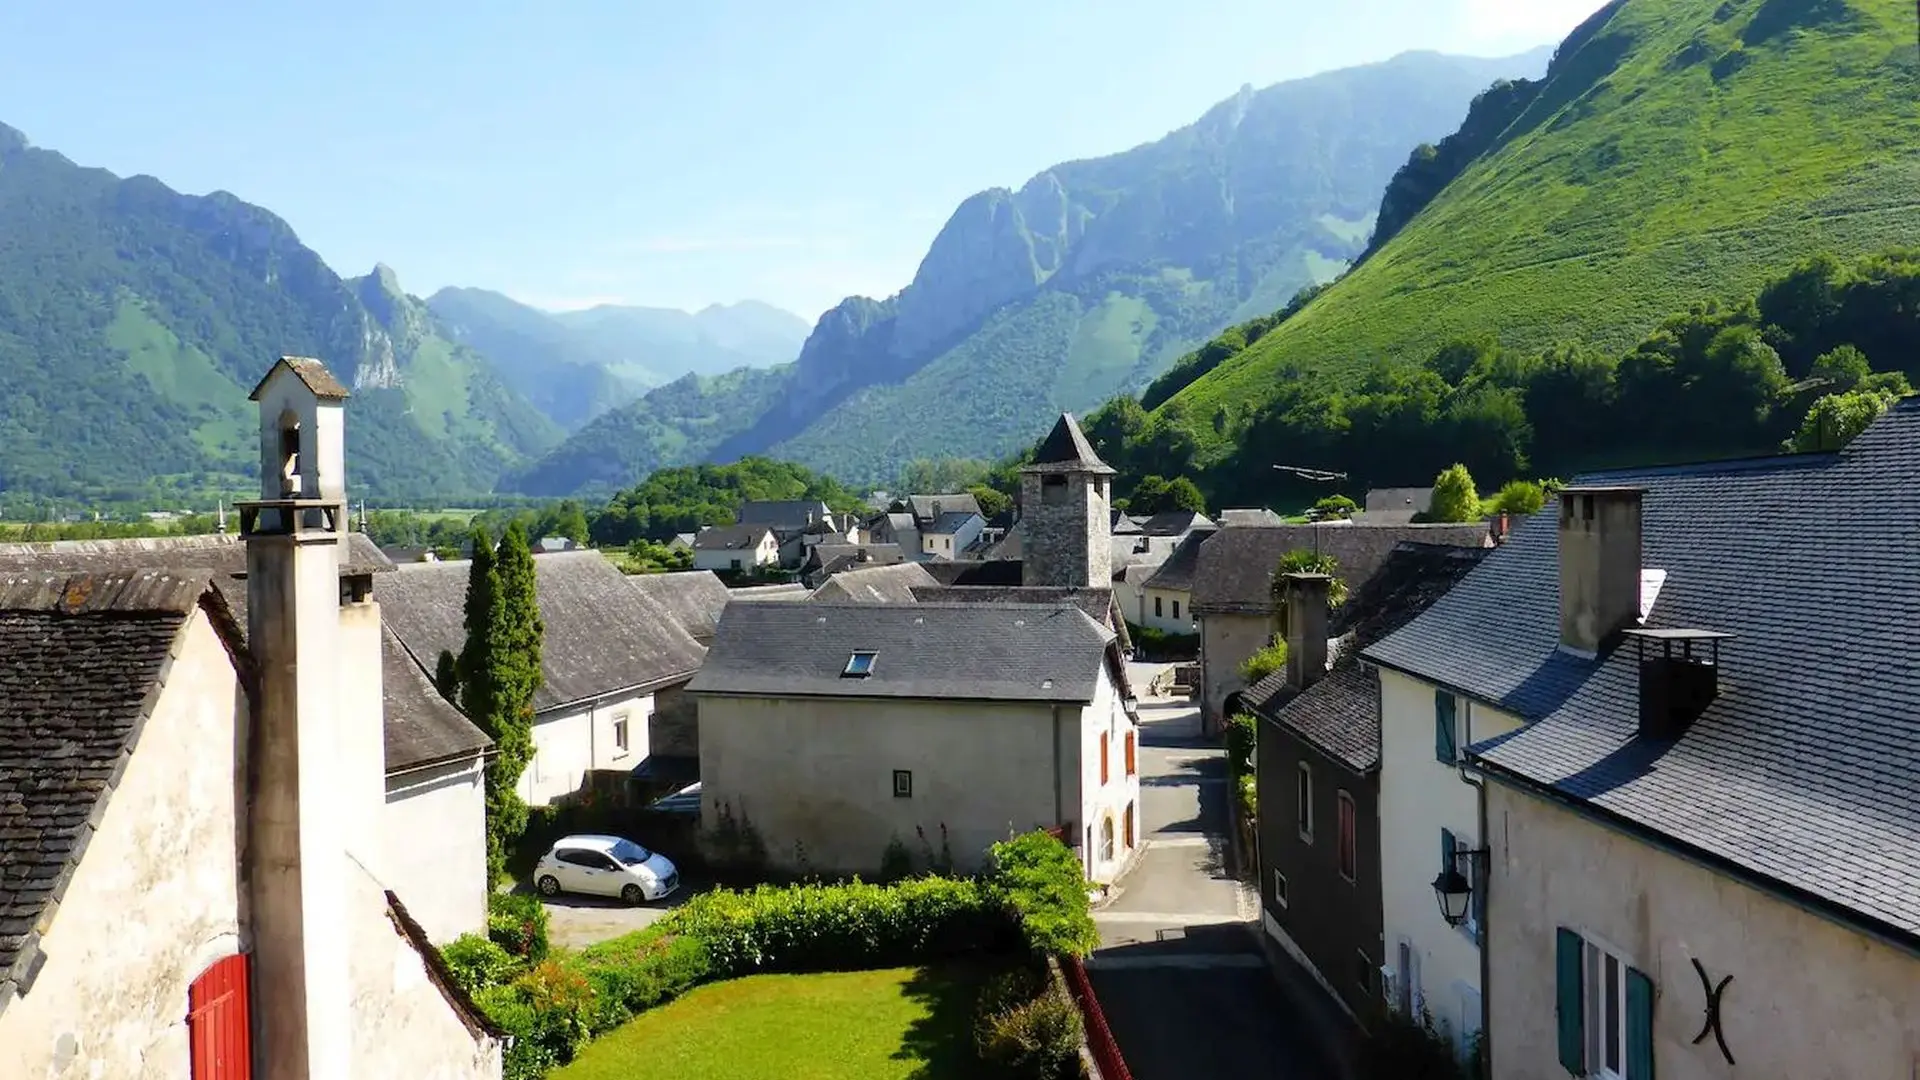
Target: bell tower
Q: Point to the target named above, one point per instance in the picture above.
(1066, 522)
(296, 840)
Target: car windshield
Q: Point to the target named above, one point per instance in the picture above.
(630, 853)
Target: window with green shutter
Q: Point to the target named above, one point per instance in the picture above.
(1639, 1025)
(1446, 744)
(1569, 1010)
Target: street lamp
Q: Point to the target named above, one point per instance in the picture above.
(1453, 889)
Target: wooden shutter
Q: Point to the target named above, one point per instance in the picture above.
(1447, 847)
(1132, 767)
(1568, 1005)
(1444, 727)
(218, 1022)
(1103, 757)
(1639, 1025)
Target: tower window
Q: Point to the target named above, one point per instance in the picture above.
(289, 457)
(1053, 490)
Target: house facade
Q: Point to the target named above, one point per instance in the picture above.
(951, 534)
(959, 722)
(174, 900)
(736, 548)
(1166, 596)
(1701, 858)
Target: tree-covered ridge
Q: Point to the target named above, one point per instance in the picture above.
(1677, 152)
(134, 320)
(1094, 276)
(1803, 364)
(685, 498)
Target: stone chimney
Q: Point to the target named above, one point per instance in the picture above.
(1306, 628)
(1599, 565)
(296, 854)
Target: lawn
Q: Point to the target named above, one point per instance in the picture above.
(896, 1024)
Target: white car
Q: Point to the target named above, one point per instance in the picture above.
(605, 866)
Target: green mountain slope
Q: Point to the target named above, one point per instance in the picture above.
(1095, 275)
(134, 320)
(1677, 151)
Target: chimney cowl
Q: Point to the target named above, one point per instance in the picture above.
(1679, 678)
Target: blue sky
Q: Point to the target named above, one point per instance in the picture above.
(666, 154)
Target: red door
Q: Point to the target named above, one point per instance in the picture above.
(218, 1022)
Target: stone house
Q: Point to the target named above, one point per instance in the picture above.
(615, 662)
(1689, 706)
(1318, 770)
(193, 858)
(835, 728)
(1166, 596)
(741, 549)
(1232, 585)
(433, 756)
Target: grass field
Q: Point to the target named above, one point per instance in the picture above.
(897, 1024)
(1687, 151)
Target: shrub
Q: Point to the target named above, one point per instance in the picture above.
(1405, 1048)
(1454, 496)
(517, 922)
(896, 861)
(1337, 506)
(1242, 733)
(478, 963)
(1264, 663)
(1040, 880)
(1035, 1039)
(1154, 644)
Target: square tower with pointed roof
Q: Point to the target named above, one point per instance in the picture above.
(1066, 500)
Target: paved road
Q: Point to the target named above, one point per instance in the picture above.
(579, 921)
(1180, 972)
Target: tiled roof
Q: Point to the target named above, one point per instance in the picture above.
(983, 652)
(1120, 523)
(1340, 714)
(791, 590)
(694, 598)
(82, 660)
(1176, 571)
(781, 513)
(421, 726)
(923, 506)
(1100, 604)
(729, 537)
(1175, 523)
(1066, 449)
(1259, 515)
(985, 572)
(1236, 566)
(952, 521)
(1805, 770)
(602, 634)
(874, 585)
(1403, 500)
(310, 371)
(219, 554)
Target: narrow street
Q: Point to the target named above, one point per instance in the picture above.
(1180, 973)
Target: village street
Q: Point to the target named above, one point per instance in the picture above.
(1180, 972)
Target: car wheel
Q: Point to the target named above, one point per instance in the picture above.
(633, 894)
(549, 885)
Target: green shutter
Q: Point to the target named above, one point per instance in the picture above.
(1568, 1006)
(1639, 1025)
(1444, 727)
(1447, 847)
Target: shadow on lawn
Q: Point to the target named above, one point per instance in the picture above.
(942, 1041)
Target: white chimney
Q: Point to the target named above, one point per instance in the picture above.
(1599, 565)
(296, 833)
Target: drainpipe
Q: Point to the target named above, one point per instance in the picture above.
(1059, 785)
(1486, 881)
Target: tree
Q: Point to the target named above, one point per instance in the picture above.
(499, 670)
(1157, 494)
(1454, 496)
(1842, 369)
(1302, 561)
(992, 501)
(1337, 506)
(1520, 497)
(1835, 419)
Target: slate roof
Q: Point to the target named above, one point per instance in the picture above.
(1340, 714)
(1408, 501)
(1176, 570)
(693, 598)
(781, 513)
(952, 521)
(420, 727)
(310, 371)
(791, 590)
(1120, 523)
(1175, 523)
(1066, 449)
(602, 634)
(984, 572)
(978, 652)
(730, 537)
(922, 506)
(877, 554)
(1100, 605)
(874, 585)
(1804, 774)
(82, 661)
(1259, 515)
(1235, 570)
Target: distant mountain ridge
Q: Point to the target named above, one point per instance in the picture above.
(1087, 281)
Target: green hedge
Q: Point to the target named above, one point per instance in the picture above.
(1033, 899)
(1242, 737)
(1154, 644)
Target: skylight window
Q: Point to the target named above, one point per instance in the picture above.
(859, 665)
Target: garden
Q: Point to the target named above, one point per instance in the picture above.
(931, 977)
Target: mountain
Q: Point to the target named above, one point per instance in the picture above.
(1677, 152)
(134, 320)
(576, 365)
(1090, 279)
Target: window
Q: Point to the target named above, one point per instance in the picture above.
(1103, 757)
(736, 564)
(620, 732)
(859, 665)
(1348, 842)
(219, 1031)
(902, 784)
(1106, 839)
(1156, 607)
(1605, 1011)
(1132, 764)
(1303, 808)
(1053, 490)
(1280, 888)
(1176, 609)
(1363, 970)
(1446, 727)
(1127, 823)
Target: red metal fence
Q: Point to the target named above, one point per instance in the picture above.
(1106, 1052)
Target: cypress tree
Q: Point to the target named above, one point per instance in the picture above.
(499, 670)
